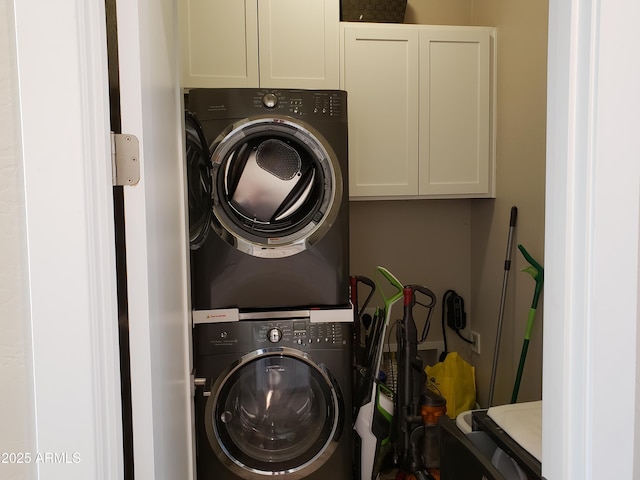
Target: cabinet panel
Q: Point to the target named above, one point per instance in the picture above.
(421, 110)
(267, 43)
(299, 43)
(219, 43)
(381, 78)
(455, 112)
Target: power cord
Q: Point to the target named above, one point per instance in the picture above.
(453, 314)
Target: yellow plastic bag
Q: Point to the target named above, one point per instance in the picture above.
(455, 380)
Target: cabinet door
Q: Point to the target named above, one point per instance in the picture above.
(219, 43)
(299, 43)
(381, 79)
(456, 122)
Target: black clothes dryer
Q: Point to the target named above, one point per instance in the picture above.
(273, 398)
(278, 231)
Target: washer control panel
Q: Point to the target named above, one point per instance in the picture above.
(247, 335)
(299, 333)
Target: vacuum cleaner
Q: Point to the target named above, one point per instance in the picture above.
(401, 423)
(413, 398)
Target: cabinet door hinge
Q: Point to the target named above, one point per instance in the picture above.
(125, 159)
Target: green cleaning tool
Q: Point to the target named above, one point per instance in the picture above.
(375, 408)
(537, 272)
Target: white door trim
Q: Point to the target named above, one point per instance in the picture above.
(157, 245)
(64, 115)
(592, 241)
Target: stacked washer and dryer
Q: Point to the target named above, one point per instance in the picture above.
(272, 324)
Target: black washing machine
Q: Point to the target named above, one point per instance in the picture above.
(273, 397)
(269, 215)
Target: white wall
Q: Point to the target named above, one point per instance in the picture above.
(16, 411)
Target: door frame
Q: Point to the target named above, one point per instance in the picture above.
(592, 243)
(72, 317)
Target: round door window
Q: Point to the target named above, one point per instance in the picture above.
(277, 186)
(274, 412)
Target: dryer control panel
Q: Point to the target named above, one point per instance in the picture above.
(302, 103)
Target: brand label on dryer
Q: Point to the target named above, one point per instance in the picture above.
(216, 342)
(217, 108)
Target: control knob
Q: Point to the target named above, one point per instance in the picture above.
(270, 100)
(274, 335)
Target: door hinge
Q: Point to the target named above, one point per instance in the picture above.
(125, 159)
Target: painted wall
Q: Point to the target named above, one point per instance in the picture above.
(521, 144)
(439, 12)
(15, 412)
(461, 244)
(419, 241)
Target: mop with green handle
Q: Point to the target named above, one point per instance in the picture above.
(537, 272)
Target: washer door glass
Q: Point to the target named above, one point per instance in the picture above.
(276, 413)
(277, 186)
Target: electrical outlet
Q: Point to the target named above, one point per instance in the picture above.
(475, 338)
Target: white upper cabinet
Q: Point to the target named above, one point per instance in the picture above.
(456, 151)
(299, 43)
(380, 74)
(265, 43)
(421, 105)
(219, 43)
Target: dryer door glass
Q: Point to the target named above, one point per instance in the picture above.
(276, 184)
(277, 413)
(198, 181)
